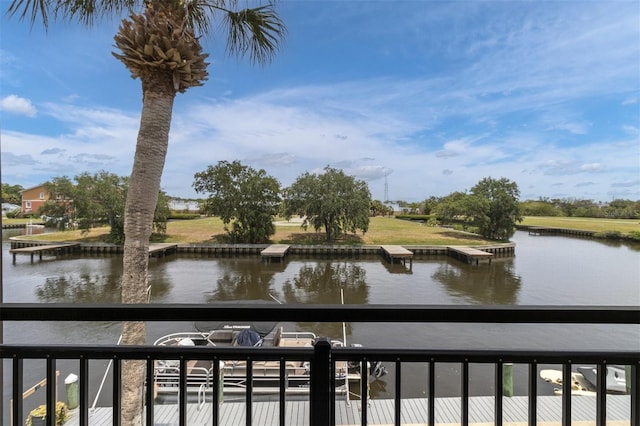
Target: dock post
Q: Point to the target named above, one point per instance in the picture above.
(507, 379)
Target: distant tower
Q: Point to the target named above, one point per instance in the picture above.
(386, 189)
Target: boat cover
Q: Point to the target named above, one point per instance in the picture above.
(248, 338)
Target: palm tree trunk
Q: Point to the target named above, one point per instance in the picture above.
(142, 196)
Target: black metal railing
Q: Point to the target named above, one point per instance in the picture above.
(322, 357)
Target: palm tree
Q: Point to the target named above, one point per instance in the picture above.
(161, 47)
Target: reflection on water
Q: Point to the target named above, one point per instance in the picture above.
(241, 280)
(327, 282)
(84, 288)
(491, 284)
(321, 283)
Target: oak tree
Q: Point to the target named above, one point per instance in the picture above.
(331, 200)
(245, 198)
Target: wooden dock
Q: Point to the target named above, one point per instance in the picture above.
(547, 230)
(414, 411)
(162, 249)
(275, 251)
(398, 252)
(40, 250)
(469, 254)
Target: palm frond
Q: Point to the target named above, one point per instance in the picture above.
(88, 12)
(255, 32)
(31, 9)
(85, 11)
(198, 16)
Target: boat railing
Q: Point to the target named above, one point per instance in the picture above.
(323, 357)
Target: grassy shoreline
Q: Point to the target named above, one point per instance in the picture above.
(585, 223)
(382, 230)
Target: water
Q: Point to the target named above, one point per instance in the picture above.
(546, 270)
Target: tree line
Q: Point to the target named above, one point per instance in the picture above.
(618, 208)
(91, 200)
(248, 200)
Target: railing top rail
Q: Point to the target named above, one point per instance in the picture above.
(628, 357)
(553, 314)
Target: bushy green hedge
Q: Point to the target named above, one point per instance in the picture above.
(183, 216)
(424, 217)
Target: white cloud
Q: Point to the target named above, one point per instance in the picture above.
(17, 105)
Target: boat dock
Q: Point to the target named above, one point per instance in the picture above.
(469, 254)
(279, 251)
(547, 230)
(162, 249)
(56, 249)
(275, 251)
(398, 252)
(381, 412)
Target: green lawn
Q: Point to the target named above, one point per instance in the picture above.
(382, 230)
(624, 226)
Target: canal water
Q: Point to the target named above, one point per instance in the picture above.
(547, 270)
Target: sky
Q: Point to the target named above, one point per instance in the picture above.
(418, 98)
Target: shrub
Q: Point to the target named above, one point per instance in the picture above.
(612, 235)
(415, 217)
(184, 216)
(14, 214)
(634, 235)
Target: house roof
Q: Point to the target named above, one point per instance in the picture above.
(33, 187)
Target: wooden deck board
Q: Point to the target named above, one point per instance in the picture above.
(277, 251)
(46, 247)
(56, 248)
(381, 412)
(398, 252)
(161, 249)
(470, 254)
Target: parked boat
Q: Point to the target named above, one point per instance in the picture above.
(265, 374)
(615, 381)
(584, 380)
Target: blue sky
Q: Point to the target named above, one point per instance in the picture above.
(434, 95)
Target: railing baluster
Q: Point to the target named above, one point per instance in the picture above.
(83, 411)
(566, 393)
(282, 399)
(217, 392)
(332, 390)
(533, 393)
(432, 392)
(364, 390)
(464, 414)
(635, 393)
(249, 392)
(182, 399)
(601, 399)
(18, 369)
(499, 392)
(117, 390)
(51, 391)
(398, 397)
(149, 391)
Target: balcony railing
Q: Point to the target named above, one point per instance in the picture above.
(322, 357)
